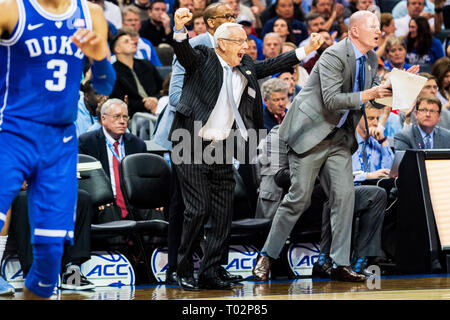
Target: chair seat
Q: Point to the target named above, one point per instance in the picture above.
(155, 226)
(114, 226)
(250, 223)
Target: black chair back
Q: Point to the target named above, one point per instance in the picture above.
(145, 180)
(93, 179)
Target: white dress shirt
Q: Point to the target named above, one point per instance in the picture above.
(110, 156)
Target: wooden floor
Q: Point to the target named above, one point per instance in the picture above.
(423, 287)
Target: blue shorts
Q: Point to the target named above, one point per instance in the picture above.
(44, 156)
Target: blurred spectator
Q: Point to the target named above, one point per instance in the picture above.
(441, 70)
(138, 79)
(272, 7)
(425, 134)
(422, 47)
(275, 95)
(333, 13)
(314, 23)
(157, 28)
(198, 23)
(247, 25)
(429, 89)
(145, 49)
(285, 9)
(87, 107)
(415, 8)
(111, 12)
(396, 54)
(387, 27)
(143, 7)
(200, 5)
(281, 26)
(252, 50)
(400, 9)
(300, 74)
(288, 77)
(189, 4)
(374, 155)
(242, 10)
(272, 45)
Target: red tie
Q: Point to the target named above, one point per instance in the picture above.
(119, 196)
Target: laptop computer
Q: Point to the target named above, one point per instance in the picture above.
(398, 157)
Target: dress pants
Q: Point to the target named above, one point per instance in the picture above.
(331, 161)
(370, 205)
(208, 198)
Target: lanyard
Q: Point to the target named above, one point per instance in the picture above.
(361, 161)
(113, 151)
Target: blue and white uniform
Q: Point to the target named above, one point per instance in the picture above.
(40, 77)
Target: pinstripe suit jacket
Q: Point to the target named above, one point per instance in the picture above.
(203, 81)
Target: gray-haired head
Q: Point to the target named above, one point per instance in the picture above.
(273, 35)
(273, 85)
(224, 31)
(109, 103)
(359, 17)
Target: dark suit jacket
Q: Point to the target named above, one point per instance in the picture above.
(204, 78)
(126, 84)
(410, 138)
(93, 144)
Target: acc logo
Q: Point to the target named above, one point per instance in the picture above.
(108, 268)
(241, 259)
(160, 263)
(301, 257)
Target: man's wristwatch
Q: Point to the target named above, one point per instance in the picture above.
(382, 140)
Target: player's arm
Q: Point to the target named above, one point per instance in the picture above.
(94, 45)
(8, 21)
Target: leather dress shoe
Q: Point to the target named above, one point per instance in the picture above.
(322, 270)
(346, 273)
(261, 269)
(225, 276)
(214, 283)
(188, 283)
(171, 276)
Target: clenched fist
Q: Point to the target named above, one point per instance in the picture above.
(315, 41)
(182, 16)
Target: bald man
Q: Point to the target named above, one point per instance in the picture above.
(319, 129)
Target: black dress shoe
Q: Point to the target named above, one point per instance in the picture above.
(171, 276)
(345, 273)
(188, 283)
(214, 284)
(225, 276)
(322, 270)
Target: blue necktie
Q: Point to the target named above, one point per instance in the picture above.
(427, 141)
(361, 80)
(237, 116)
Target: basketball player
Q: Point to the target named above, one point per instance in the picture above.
(42, 47)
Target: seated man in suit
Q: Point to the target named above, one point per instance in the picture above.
(275, 95)
(370, 203)
(425, 134)
(111, 143)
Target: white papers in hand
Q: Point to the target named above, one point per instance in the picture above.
(405, 89)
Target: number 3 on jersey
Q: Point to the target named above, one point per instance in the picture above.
(59, 75)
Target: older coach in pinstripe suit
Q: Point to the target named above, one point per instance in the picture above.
(319, 129)
(220, 89)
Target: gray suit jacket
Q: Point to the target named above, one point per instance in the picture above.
(321, 103)
(410, 138)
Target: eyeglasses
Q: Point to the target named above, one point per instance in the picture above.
(116, 117)
(428, 110)
(238, 41)
(227, 16)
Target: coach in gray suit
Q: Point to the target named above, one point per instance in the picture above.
(425, 134)
(319, 129)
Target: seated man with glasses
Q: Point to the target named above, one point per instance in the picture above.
(111, 143)
(425, 134)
